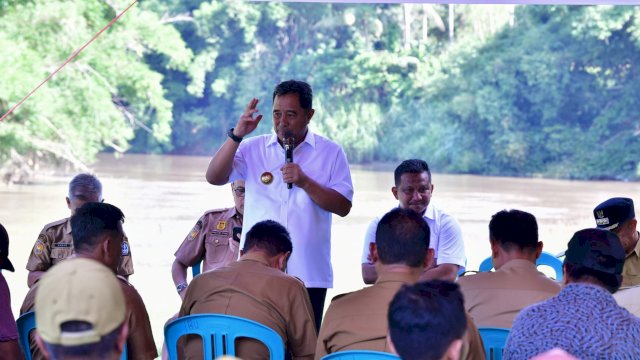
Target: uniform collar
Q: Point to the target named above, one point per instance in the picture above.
(67, 226)
(254, 257)
(430, 212)
(309, 139)
(518, 263)
(636, 250)
(391, 277)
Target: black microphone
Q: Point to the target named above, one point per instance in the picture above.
(289, 143)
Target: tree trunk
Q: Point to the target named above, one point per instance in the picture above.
(451, 22)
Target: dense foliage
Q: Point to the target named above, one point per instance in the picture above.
(502, 90)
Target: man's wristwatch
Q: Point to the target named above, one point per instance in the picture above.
(181, 287)
(237, 139)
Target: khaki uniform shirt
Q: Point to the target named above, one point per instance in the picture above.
(140, 344)
(629, 299)
(250, 289)
(495, 298)
(631, 269)
(212, 238)
(358, 320)
(55, 244)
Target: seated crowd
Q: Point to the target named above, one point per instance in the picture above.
(417, 307)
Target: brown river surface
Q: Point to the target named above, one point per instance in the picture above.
(163, 196)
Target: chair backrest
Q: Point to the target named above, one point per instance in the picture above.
(545, 259)
(27, 323)
(360, 355)
(494, 340)
(196, 268)
(224, 330)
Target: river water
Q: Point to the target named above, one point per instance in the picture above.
(163, 196)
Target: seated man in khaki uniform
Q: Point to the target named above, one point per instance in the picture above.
(55, 242)
(215, 239)
(427, 321)
(495, 298)
(255, 287)
(358, 320)
(81, 312)
(97, 235)
(618, 215)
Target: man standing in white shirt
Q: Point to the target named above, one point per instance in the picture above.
(413, 189)
(319, 174)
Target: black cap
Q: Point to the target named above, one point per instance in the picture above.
(596, 249)
(611, 213)
(4, 250)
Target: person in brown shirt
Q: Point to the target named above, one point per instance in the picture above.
(256, 288)
(101, 241)
(215, 239)
(427, 320)
(55, 242)
(495, 298)
(358, 320)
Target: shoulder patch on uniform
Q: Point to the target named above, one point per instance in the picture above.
(125, 248)
(196, 229)
(215, 211)
(38, 248)
(55, 223)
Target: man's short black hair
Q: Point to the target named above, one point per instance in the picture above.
(88, 182)
(305, 94)
(514, 228)
(411, 166)
(268, 236)
(92, 220)
(425, 318)
(402, 237)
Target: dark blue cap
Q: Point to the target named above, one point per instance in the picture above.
(596, 249)
(611, 213)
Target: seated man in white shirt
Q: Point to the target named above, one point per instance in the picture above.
(413, 189)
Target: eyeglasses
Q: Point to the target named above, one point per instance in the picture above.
(239, 191)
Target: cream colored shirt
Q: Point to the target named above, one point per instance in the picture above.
(631, 269)
(495, 298)
(358, 320)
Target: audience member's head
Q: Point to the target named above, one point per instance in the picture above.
(97, 231)
(83, 188)
(80, 312)
(595, 256)
(413, 187)
(619, 216)
(238, 189)
(272, 240)
(402, 237)
(5, 263)
(427, 321)
(513, 234)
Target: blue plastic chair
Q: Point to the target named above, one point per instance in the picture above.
(196, 268)
(27, 323)
(545, 259)
(224, 330)
(360, 355)
(494, 340)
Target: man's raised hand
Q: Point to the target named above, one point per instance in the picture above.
(247, 123)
